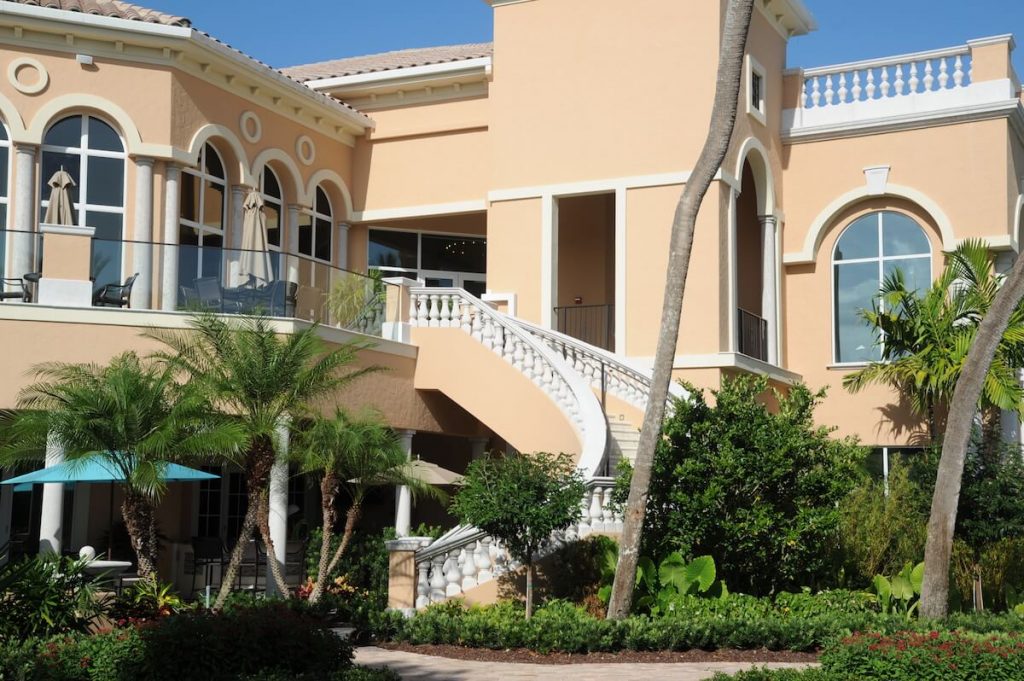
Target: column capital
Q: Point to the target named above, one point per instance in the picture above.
(297, 207)
(768, 220)
(143, 160)
(344, 226)
(240, 188)
(25, 148)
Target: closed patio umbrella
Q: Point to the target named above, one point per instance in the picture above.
(60, 211)
(254, 262)
(429, 473)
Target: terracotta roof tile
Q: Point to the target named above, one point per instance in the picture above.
(387, 61)
(110, 8)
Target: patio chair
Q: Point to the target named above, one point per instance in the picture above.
(209, 294)
(115, 295)
(206, 553)
(15, 289)
(283, 298)
(252, 560)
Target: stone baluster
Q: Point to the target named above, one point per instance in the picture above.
(899, 83)
(929, 79)
(476, 328)
(498, 343)
(815, 91)
(596, 515)
(482, 556)
(884, 85)
(487, 332)
(856, 90)
(413, 309)
(584, 527)
(423, 585)
(869, 90)
(538, 369)
(423, 311)
(943, 73)
(509, 348)
(446, 314)
(914, 82)
(958, 72)
(434, 311)
(438, 583)
(499, 557)
(519, 354)
(829, 92)
(466, 321)
(842, 88)
(606, 512)
(469, 567)
(453, 575)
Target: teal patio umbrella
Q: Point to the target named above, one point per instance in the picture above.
(96, 469)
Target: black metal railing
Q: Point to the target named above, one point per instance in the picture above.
(753, 335)
(593, 324)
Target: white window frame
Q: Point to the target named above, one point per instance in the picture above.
(881, 260)
(420, 273)
(282, 215)
(5, 197)
(81, 209)
(202, 229)
(755, 70)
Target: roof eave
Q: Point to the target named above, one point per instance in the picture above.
(478, 68)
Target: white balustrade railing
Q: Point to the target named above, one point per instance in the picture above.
(605, 371)
(465, 557)
(454, 308)
(900, 76)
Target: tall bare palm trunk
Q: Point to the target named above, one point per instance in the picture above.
(140, 522)
(328, 496)
(723, 118)
(959, 422)
(268, 542)
(235, 561)
(351, 518)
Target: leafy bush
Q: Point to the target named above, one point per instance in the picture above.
(660, 588)
(900, 594)
(756, 490)
(145, 600)
(883, 526)
(46, 595)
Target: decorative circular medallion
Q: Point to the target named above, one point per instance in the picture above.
(19, 73)
(251, 127)
(305, 150)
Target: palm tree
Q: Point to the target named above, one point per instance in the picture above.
(723, 118)
(248, 370)
(354, 454)
(925, 339)
(129, 414)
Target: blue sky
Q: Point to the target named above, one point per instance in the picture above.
(300, 31)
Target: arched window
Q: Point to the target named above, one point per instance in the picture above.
(315, 229)
(869, 250)
(5, 191)
(201, 230)
(273, 210)
(92, 153)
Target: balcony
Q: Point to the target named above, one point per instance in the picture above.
(753, 335)
(189, 278)
(967, 82)
(593, 324)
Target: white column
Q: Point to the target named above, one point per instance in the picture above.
(52, 513)
(25, 209)
(293, 241)
(403, 497)
(279, 507)
(620, 270)
(769, 295)
(479, 447)
(6, 500)
(343, 245)
(548, 259)
(172, 209)
(142, 235)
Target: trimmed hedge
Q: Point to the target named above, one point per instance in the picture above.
(696, 624)
(911, 656)
(225, 647)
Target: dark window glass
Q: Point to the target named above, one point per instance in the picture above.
(322, 234)
(856, 288)
(236, 505)
(189, 197)
(273, 216)
(271, 187)
(454, 254)
(106, 181)
(4, 157)
(393, 249)
(106, 248)
(3, 132)
(3, 240)
(211, 254)
(323, 205)
(214, 166)
(859, 240)
(213, 205)
(103, 137)
(755, 91)
(306, 234)
(65, 133)
(874, 464)
(902, 236)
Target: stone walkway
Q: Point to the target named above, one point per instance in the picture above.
(415, 667)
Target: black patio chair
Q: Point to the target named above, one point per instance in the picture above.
(283, 298)
(15, 289)
(115, 295)
(206, 553)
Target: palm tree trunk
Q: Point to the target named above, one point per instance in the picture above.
(268, 542)
(328, 495)
(723, 118)
(140, 522)
(963, 407)
(231, 573)
(351, 518)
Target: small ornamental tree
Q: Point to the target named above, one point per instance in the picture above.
(521, 500)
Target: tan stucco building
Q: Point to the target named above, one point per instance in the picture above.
(511, 202)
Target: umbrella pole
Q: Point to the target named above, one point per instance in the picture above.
(110, 522)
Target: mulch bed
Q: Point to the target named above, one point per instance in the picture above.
(521, 655)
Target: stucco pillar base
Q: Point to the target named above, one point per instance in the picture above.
(402, 573)
(66, 269)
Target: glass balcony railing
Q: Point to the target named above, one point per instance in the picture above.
(199, 277)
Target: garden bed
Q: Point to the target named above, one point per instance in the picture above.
(525, 656)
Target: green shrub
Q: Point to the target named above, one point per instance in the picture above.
(812, 674)
(46, 595)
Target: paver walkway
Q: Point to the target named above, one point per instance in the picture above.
(415, 667)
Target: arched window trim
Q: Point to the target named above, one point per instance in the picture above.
(202, 176)
(881, 259)
(83, 150)
(5, 196)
